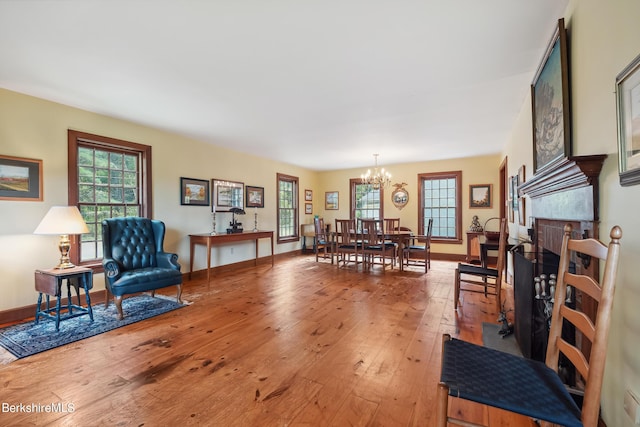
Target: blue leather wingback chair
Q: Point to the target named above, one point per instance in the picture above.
(134, 259)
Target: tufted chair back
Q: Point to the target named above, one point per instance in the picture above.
(134, 259)
(133, 241)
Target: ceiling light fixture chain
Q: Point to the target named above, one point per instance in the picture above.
(378, 179)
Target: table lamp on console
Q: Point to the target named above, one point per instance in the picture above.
(63, 221)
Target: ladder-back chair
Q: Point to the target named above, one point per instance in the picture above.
(530, 387)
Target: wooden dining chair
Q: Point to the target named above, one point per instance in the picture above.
(530, 387)
(392, 224)
(418, 252)
(374, 244)
(323, 245)
(486, 280)
(347, 246)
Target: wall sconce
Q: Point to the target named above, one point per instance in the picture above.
(63, 220)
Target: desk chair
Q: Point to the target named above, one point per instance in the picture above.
(530, 387)
(474, 278)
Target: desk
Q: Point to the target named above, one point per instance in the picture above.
(49, 282)
(208, 240)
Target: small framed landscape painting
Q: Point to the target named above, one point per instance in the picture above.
(331, 200)
(480, 196)
(194, 192)
(255, 197)
(20, 179)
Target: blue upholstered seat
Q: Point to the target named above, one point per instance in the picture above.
(505, 381)
(134, 259)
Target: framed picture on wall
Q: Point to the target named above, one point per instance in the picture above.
(480, 196)
(331, 200)
(550, 104)
(255, 197)
(20, 179)
(628, 109)
(308, 208)
(194, 192)
(308, 195)
(227, 195)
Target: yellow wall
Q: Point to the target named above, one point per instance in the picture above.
(604, 37)
(476, 170)
(35, 128)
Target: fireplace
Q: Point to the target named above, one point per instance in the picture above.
(566, 193)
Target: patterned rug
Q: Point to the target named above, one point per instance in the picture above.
(26, 339)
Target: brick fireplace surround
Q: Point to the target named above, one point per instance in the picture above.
(565, 193)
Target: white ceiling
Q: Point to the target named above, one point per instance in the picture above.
(323, 84)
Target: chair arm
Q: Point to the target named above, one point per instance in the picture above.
(168, 260)
(111, 268)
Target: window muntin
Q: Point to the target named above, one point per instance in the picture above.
(366, 201)
(287, 208)
(107, 178)
(441, 199)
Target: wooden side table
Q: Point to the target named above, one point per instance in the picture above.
(49, 282)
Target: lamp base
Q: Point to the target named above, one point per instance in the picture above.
(64, 265)
(64, 245)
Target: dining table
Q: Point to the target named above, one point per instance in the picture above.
(399, 237)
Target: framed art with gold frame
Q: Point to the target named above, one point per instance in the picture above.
(331, 200)
(400, 196)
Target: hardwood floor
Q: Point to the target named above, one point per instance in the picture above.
(300, 343)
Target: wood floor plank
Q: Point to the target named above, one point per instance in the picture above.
(302, 343)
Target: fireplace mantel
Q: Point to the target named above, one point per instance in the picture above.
(572, 172)
(568, 190)
(565, 193)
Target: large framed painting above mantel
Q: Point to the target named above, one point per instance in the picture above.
(550, 105)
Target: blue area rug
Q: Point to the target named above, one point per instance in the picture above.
(26, 339)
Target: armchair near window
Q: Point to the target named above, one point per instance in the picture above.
(134, 259)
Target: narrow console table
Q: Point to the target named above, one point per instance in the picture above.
(209, 240)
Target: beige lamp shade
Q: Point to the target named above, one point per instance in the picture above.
(63, 220)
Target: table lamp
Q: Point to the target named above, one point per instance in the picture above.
(63, 220)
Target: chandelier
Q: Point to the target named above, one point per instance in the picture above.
(378, 179)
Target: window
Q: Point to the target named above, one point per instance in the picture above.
(107, 178)
(366, 201)
(441, 199)
(287, 208)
